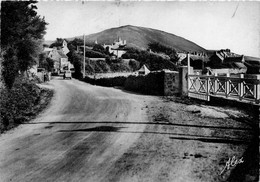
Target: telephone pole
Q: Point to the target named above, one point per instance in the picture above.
(84, 57)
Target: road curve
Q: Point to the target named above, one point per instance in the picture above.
(79, 137)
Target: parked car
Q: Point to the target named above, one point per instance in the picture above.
(67, 74)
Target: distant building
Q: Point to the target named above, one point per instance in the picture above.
(117, 48)
(224, 61)
(196, 59)
(143, 70)
(65, 47)
(60, 58)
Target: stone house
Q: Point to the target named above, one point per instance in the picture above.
(60, 58)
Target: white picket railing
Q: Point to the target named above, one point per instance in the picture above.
(239, 88)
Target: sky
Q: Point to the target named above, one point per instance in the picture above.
(212, 25)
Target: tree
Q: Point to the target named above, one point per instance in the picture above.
(72, 45)
(57, 43)
(159, 48)
(76, 60)
(10, 67)
(134, 64)
(99, 48)
(21, 33)
(45, 62)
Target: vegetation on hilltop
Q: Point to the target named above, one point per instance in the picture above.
(169, 51)
(152, 61)
(140, 37)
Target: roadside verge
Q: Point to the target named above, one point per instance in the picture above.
(22, 103)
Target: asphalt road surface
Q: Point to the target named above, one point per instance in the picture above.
(92, 133)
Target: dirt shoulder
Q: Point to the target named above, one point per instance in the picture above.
(181, 143)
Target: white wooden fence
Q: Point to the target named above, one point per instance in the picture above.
(238, 88)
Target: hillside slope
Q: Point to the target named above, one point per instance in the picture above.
(140, 37)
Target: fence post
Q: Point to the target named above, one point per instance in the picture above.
(215, 83)
(208, 88)
(183, 80)
(241, 87)
(188, 63)
(227, 84)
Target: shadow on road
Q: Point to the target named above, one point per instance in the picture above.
(207, 139)
(97, 129)
(214, 140)
(142, 123)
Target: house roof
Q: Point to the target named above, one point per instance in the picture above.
(239, 65)
(61, 53)
(144, 69)
(252, 65)
(234, 65)
(47, 49)
(222, 52)
(234, 59)
(252, 60)
(47, 52)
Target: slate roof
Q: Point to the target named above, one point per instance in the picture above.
(234, 59)
(61, 53)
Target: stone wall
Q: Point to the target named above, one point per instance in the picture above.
(152, 84)
(164, 82)
(171, 82)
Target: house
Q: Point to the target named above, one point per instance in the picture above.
(197, 61)
(218, 57)
(143, 70)
(253, 65)
(65, 48)
(59, 56)
(229, 65)
(117, 48)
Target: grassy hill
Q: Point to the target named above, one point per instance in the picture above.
(140, 37)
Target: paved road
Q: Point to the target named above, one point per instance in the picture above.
(78, 138)
(92, 133)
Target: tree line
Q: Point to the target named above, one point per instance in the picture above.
(22, 32)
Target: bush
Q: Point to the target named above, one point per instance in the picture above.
(95, 54)
(152, 84)
(17, 103)
(119, 67)
(135, 65)
(152, 61)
